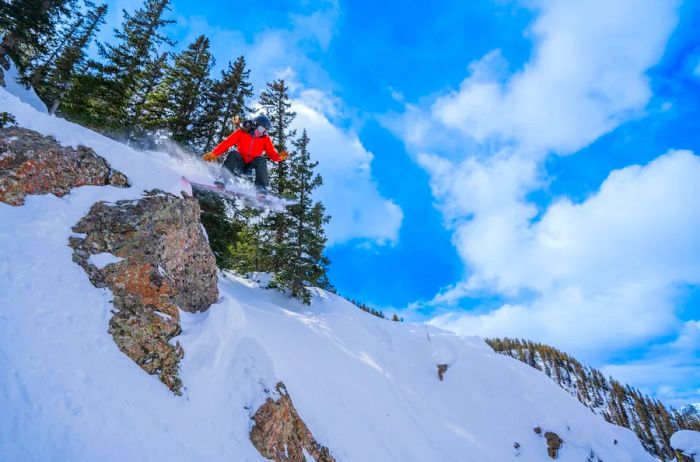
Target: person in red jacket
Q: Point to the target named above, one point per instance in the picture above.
(250, 144)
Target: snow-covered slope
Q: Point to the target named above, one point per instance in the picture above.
(367, 388)
(27, 95)
(688, 442)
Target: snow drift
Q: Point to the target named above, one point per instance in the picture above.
(368, 389)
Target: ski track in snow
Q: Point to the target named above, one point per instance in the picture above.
(367, 388)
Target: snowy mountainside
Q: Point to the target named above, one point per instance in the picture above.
(618, 403)
(367, 388)
(688, 443)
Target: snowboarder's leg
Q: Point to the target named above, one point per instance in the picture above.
(234, 163)
(261, 177)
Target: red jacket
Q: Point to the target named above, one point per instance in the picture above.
(248, 146)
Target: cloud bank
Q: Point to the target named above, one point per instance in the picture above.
(595, 277)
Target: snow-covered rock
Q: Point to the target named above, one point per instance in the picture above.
(34, 164)
(366, 388)
(280, 434)
(688, 443)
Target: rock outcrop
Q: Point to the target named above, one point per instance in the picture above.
(279, 433)
(441, 369)
(160, 261)
(31, 163)
(554, 443)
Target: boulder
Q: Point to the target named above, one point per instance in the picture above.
(31, 163)
(153, 255)
(279, 433)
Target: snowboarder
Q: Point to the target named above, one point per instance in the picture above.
(251, 141)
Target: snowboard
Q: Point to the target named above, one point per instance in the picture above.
(248, 194)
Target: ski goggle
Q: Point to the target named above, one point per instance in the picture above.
(261, 129)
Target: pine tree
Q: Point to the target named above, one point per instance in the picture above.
(178, 101)
(276, 104)
(227, 97)
(53, 79)
(41, 65)
(222, 230)
(27, 26)
(149, 81)
(110, 91)
(304, 263)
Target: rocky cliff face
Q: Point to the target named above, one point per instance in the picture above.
(279, 433)
(157, 260)
(31, 163)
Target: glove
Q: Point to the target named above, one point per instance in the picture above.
(283, 155)
(208, 157)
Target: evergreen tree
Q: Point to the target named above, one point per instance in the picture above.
(149, 81)
(178, 101)
(227, 97)
(53, 79)
(276, 104)
(109, 93)
(221, 229)
(26, 27)
(41, 65)
(304, 263)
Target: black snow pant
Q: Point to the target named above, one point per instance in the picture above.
(234, 163)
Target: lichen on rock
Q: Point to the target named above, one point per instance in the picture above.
(166, 265)
(281, 435)
(31, 163)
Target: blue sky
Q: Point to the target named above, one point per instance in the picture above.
(498, 167)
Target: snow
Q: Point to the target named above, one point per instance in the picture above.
(101, 260)
(27, 95)
(367, 388)
(687, 441)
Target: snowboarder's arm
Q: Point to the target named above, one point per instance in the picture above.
(272, 152)
(226, 144)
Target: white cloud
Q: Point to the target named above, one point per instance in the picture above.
(601, 275)
(590, 277)
(349, 193)
(586, 76)
(676, 362)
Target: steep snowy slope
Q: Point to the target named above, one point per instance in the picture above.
(688, 442)
(367, 388)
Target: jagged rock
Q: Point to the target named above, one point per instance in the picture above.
(31, 163)
(166, 264)
(442, 368)
(553, 444)
(279, 433)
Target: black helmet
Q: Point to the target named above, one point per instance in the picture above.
(262, 120)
